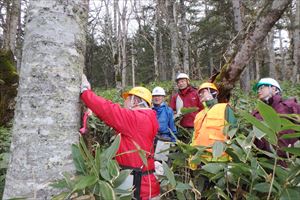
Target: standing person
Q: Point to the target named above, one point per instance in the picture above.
(137, 125)
(186, 96)
(164, 115)
(165, 119)
(269, 91)
(210, 122)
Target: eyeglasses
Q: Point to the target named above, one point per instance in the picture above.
(261, 87)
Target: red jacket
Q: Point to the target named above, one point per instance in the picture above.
(139, 126)
(190, 98)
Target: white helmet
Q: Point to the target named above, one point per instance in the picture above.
(158, 91)
(267, 81)
(182, 75)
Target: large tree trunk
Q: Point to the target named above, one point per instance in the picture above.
(296, 37)
(155, 39)
(10, 33)
(172, 25)
(48, 111)
(185, 38)
(272, 63)
(231, 72)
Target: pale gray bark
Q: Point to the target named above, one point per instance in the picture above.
(282, 66)
(257, 67)
(172, 25)
(133, 52)
(116, 46)
(12, 17)
(296, 37)
(185, 38)
(123, 33)
(155, 45)
(238, 26)
(47, 114)
(272, 63)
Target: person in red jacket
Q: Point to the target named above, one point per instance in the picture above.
(137, 125)
(187, 96)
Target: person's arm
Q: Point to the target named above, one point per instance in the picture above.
(112, 114)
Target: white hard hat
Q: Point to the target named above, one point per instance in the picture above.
(267, 81)
(182, 75)
(158, 91)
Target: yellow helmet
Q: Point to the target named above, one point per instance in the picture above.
(141, 92)
(208, 85)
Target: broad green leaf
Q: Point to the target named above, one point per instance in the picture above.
(169, 174)
(263, 187)
(121, 178)
(288, 125)
(221, 193)
(113, 168)
(270, 116)
(84, 182)
(293, 150)
(104, 172)
(98, 158)
(218, 149)
(213, 167)
(180, 195)
(289, 136)
(61, 196)
(59, 184)
(258, 133)
(78, 160)
(143, 156)
(111, 151)
(106, 190)
(290, 194)
(232, 132)
(182, 187)
(270, 135)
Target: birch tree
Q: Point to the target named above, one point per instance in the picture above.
(231, 71)
(296, 37)
(47, 114)
(272, 63)
(13, 10)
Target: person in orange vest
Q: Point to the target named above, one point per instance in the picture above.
(210, 122)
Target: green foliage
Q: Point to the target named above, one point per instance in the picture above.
(252, 173)
(5, 137)
(96, 175)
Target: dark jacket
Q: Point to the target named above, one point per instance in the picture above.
(279, 105)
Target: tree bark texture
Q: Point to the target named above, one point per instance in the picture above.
(12, 16)
(296, 36)
(231, 71)
(272, 63)
(48, 108)
(185, 38)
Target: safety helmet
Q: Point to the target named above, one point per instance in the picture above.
(267, 81)
(182, 75)
(208, 85)
(141, 92)
(158, 91)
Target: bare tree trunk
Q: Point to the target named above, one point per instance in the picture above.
(231, 71)
(257, 67)
(162, 58)
(296, 37)
(133, 52)
(13, 13)
(272, 63)
(116, 46)
(155, 54)
(48, 111)
(283, 66)
(185, 38)
(123, 33)
(171, 10)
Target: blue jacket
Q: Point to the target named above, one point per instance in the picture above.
(164, 115)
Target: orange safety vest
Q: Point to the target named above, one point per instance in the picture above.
(209, 125)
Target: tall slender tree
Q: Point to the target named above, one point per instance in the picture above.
(48, 111)
(296, 36)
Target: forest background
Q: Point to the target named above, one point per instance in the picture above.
(134, 42)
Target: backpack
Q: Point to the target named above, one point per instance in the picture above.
(293, 105)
